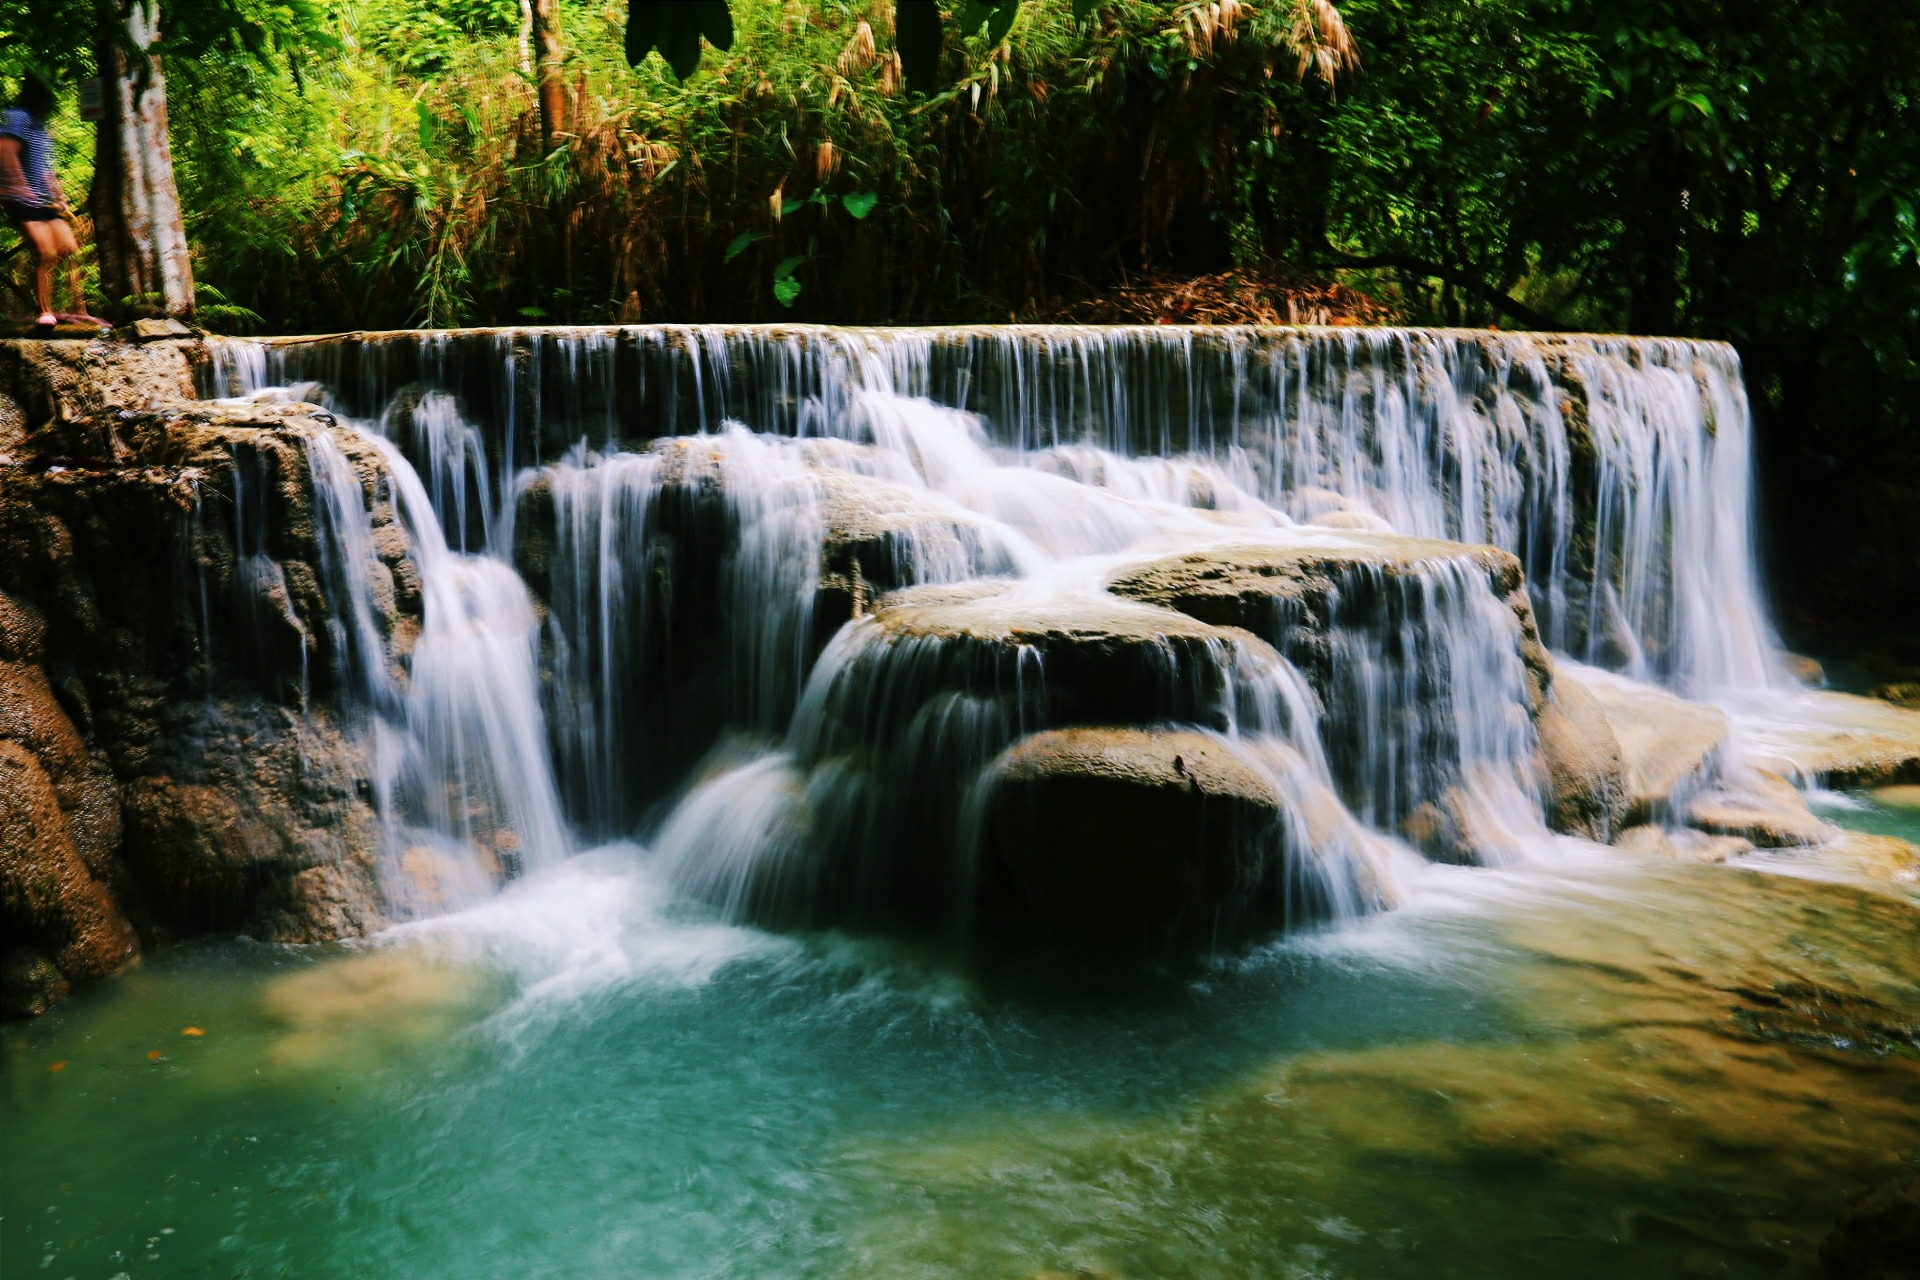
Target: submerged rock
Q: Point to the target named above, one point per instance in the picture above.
(1877, 1235)
(1681, 844)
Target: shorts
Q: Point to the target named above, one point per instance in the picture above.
(21, 214)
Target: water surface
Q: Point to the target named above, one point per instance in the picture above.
(1591, 1065)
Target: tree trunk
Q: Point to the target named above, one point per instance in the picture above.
(552, 64)
(136, 209)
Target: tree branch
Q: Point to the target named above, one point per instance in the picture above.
(1420, 266)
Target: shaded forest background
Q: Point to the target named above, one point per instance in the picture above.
(1745, 170)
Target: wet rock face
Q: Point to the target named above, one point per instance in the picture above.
(168, 712)
(56, 912)
(1131, 839)
(1587, 785)
(1386, 630)
(1670, 747)
(59, 833)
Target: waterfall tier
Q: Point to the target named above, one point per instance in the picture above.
(1139, 637)
(873, 614)
(1616, 469)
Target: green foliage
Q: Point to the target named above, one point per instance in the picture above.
(427, 37)
(215, 312)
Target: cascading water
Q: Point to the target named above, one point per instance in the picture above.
(457, 738)
(693, 587)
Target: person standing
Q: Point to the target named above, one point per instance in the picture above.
(30, 193)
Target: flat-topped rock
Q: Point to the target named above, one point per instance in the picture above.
(1762, 807)
(1294, 591)
(1237, 585)
(1834, 738)
(1668, 744)
(1360, 612)
(1079, 656)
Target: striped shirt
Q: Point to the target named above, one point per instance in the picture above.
(36, 151)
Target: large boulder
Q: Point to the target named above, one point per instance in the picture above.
(1671, 747)
(912, 703)
(57, 916)
(171, 636)
(1133, 838)
(1587, 788)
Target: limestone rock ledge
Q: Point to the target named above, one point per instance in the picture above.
(1372, 585)
(173, 759)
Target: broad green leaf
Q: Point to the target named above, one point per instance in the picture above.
(786, 268)
(860, 203)
(785, 290)
(644, 18)
(740, 243)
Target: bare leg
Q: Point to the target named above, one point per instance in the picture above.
(76, 287)
(68, 248)
(43, 283)
(46, 251)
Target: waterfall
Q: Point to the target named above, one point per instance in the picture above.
(455, 728)
(803, 589)
(1617, 469)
